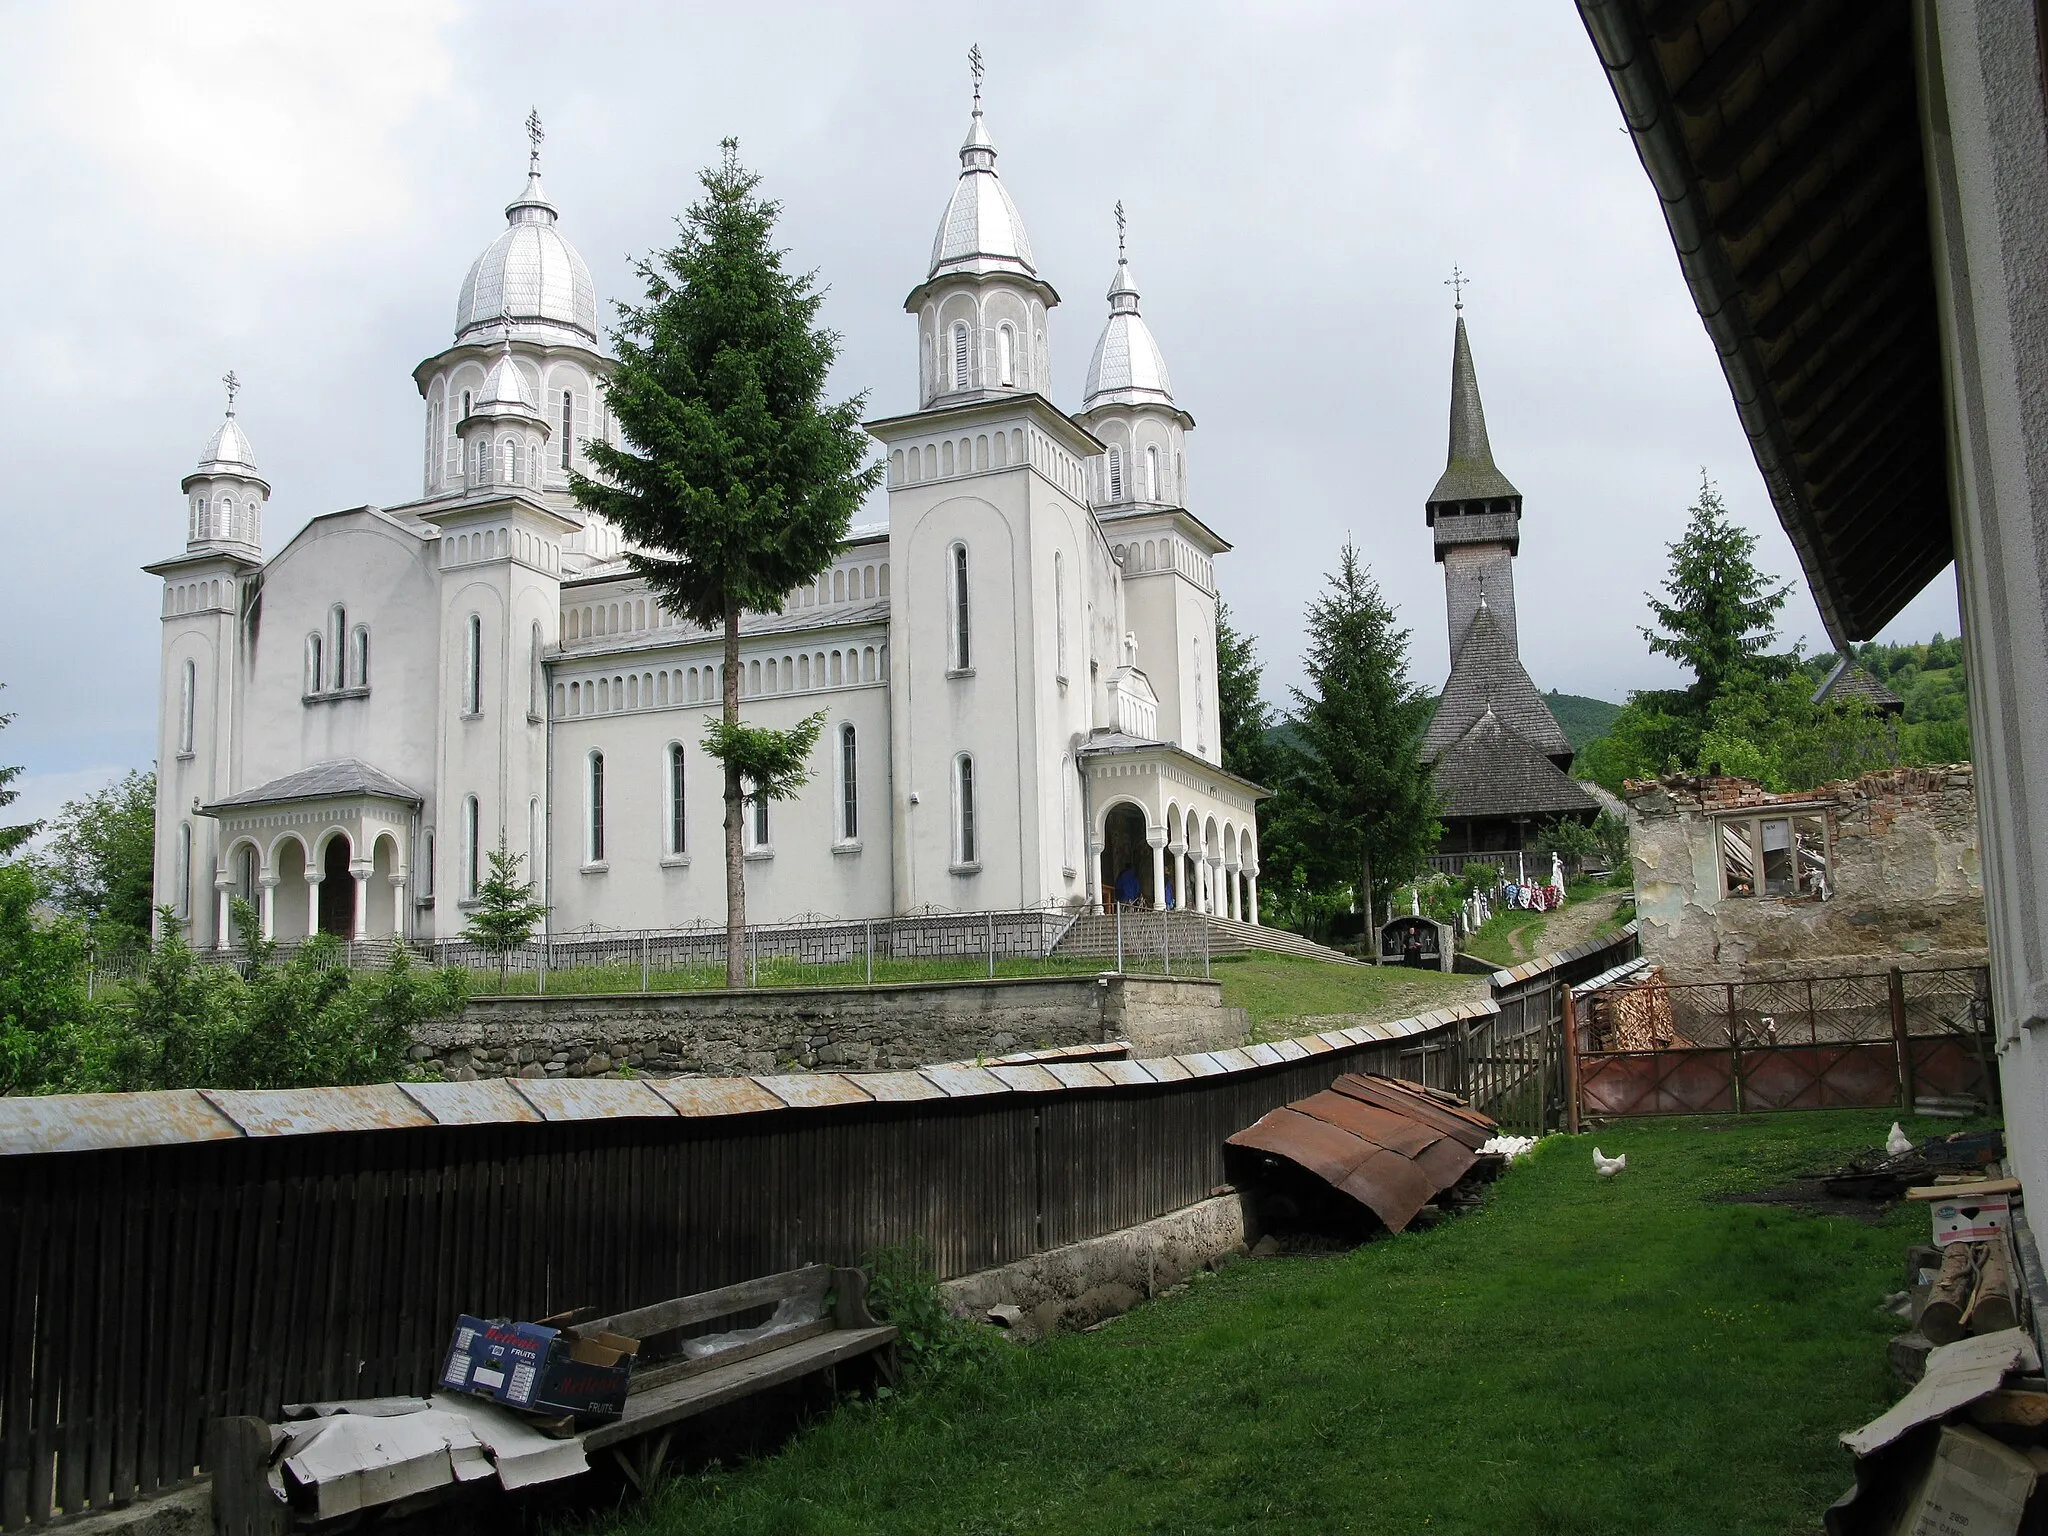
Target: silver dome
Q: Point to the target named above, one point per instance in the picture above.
(1128, 368)
(981, 231)
(228, 449)
(506, 388)
(529, 272)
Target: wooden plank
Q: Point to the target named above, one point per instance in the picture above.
(646, 1379)
(667, 1316)
(699, 1394)
(1972, 1189)
(26, 1201)
(2026, 1410)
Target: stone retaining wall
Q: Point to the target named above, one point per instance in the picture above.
(787, 1029)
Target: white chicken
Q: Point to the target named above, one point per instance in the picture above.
(1898, 1142)
(1608, 1167)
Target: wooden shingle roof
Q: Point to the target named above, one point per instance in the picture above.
(1486, 676)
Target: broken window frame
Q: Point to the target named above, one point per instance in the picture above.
(1790, 871)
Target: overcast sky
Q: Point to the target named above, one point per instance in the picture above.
(296, 191)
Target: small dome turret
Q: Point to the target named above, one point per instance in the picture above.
(224, 493)
(1128, 368)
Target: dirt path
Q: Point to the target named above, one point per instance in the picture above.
(1576, 923)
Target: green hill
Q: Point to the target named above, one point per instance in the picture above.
(1581, 718)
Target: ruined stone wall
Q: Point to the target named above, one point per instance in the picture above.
(800, 1029)
(1907, 887)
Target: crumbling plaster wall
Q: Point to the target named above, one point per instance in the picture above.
(1908, 889)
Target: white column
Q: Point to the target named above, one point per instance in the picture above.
(223, 938)
(313, 879)
(1251, 892)
(1231, 909)
(266, 888)
(1157, 838)
(362, 878)
(397, 905)
(1215, 867)
(1094, 874)
(1180, 874)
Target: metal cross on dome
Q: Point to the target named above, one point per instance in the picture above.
(974, 68)
(232, 384)
(1457, 283)
(1119, 229)
(534, 136)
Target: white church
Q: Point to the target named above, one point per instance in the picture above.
(1018, 673)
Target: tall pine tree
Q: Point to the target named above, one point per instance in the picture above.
(737, 481)
(1719, 617)
(1244, 717)
(12, 838)
(1360, 798)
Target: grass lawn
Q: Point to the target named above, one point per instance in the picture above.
(1580, 1355)
(1274, 988)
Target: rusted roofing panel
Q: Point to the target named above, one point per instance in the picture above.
(92, 1122)
(1383, 1128)
(814, 1090)
(965, 1082)
(1078, 1074)
(487, 1101)
(593, 1098)
(1026, 1079)
(899, 1087)
(1385, 1183)
(1166, 1069)
(314, 1111)
(709, 1096)
(1405, 1099)
(1447, 1161)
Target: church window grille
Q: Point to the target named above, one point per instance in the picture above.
(678, 840)
(568, 423)
(359, 657)
(510, 454)
(1116, 474)
(473, 667)
(964, 844)
(188, 706)
(960, 354)
(312, 664)
(1151, 474)
(849, 784)
(593, 841)
(962, 626)
(472, 846)
(1006, 350)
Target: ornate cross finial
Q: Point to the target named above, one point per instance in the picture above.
(232, 384)
(974, 69)
(1119, 229)
(533, 137)
(1456, 283)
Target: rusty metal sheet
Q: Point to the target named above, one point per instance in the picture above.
(1027, 1079)
(1126, 1073)
(1447, 1161)
(814, 1090)
(1078, 1074)
(90, 1122)
(1467, 1126)
(487, 1101)
(593, 1098)
(965, 1082)
(1262, 1054)
(316, 1111)
(710, 1096)
(1385, 1183)
(1382, 1127)
(1166, 1069)
(899, 1087)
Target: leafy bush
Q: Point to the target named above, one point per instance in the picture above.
(42, 978)
(903, 1289)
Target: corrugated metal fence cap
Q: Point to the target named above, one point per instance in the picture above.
(91, 1122)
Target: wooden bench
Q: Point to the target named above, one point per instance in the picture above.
(665, 1393)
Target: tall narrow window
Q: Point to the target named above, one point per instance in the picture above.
(849, 784)
(188, 705)
(427, 868)
(227, 517)
(1116, 474)
(312, 664)
(568, 423)
(593, 841)
(1059, 606)
(337, 627)
(536, 675)
(181, 898)
(963, 649)
(465, 402)
(1151, 474)
(359, 657)
(753, 818)
(472, 845)
(960, 355)
(963, 809)
(678, 838)
(1067, 813)
(473, 667)
(1006, 354)
(533, 840)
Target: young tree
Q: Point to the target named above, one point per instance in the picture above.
(1244, 717)
(1360, 794)
(737, 482)
(101, 857)
(1718, 622)
(506, 912)
(12, 838)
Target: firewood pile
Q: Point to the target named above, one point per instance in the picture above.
(1635, 1015)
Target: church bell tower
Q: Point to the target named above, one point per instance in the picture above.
(1475, 510)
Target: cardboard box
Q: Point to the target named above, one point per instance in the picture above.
(1975, 1219)
(540, 1369)
(1975, 1487)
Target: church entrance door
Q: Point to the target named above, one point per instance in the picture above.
(337, 889)
(1126, 860)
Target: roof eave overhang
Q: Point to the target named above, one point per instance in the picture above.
(999, 269)
(1174, 751)
(1074, 437)
(1210, 541)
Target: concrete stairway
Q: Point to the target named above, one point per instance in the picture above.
(1227, 937)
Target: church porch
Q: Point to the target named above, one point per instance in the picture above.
(1170, 831)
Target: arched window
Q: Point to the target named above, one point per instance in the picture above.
(465, 402)
(509, 454)
(1116, 474)
(1059, 608)
(472, 846)
(312, 664)
(188, 706)
(359, 657)
(849, 784)
(678, 840)
(473, 666)
(568, 423)
(754, 818)
(1006, 352)
(959, 354)
(227, 517)
(963, 809)
(1151, 474)
(181, 898)
(337, 630)
(1067, 813)
(962, 628)
(593, 835)
(536, 675)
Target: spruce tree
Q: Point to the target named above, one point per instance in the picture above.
(1361, 800)
(12, 838)
(1244, 718)
(506, 912)
(737, 482)
(1718, 622)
